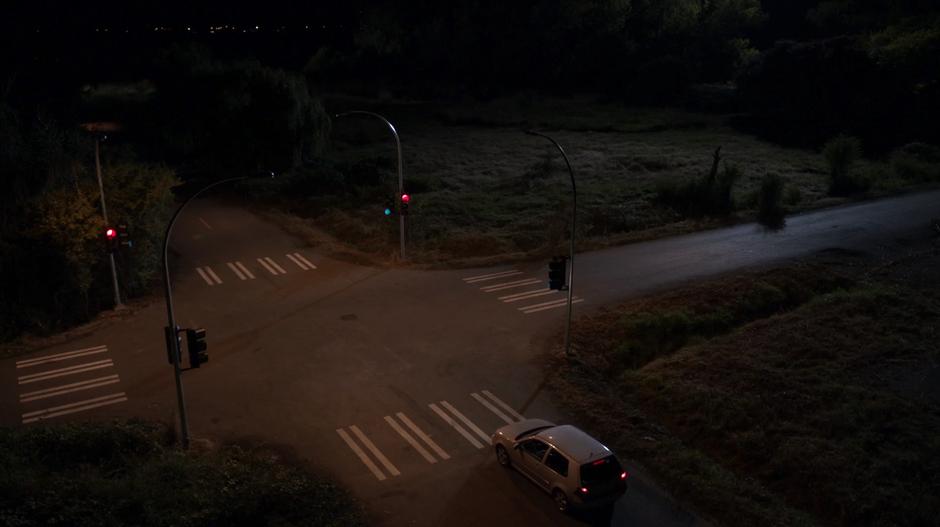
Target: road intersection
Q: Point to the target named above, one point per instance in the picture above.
(391, 380)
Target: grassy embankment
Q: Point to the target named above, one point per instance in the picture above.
(484, 191)
(801, 395)
(128, 473)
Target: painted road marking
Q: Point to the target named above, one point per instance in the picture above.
(213, 275)
(204, 222)
(61, 372)
(549, 305)
(72, 408)
(275, 265)
(510, 285)
(503, 405)
(489, 406)
(424, 437)
(491, 276)
(361, 455)
(528, 295)
(267, 266)
(69, 388)
(26, 363)
(300, 264)
(238, 272)
(304, 260)
(245, 270)
(447, 419)
(375, 451)
(411, 441)
(204, 276)
(466, 421)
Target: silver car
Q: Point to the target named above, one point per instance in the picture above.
(576, 469)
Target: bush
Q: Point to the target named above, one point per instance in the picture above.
(841, 152)
(129, 473)
(770, 210)
(916, 162)
(704, 196)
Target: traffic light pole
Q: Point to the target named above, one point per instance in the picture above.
(104, 212)
(574, 215)
(173, 347)
(401, 181)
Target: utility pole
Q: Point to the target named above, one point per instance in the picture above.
(104, 212)
(401, 181)
(574, 215)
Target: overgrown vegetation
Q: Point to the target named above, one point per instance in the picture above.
(708, 195)
(841, 153)
(129, 473)
(793, 396)
(771, 212)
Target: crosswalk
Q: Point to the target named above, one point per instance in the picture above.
(89, 377)
(265, 264)
(428, 439)
(533, 299)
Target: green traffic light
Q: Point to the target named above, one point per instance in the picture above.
(388, 211)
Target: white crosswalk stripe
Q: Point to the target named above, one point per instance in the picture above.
(456, 413)
(491, 276)
(489, 406)
(424, 437)
(61, 372)
(296, 261)
(509, 285)
(528, 295)
(58, 357)
(534, 308)
(389, 467)
(245, 270)
(204, 276)
(379, 475)
(411, 440)
(304, 260)
(503, 405)
(447, 419)
(275, 265)
(69, 388)
(267, 266)
(71, 408)
(238, 272)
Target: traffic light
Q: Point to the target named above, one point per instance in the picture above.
(110, 239)
(389, 206)
(557, 273)
(196, 346)
(405, 200)
(122, 236)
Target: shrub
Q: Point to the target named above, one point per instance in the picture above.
(703, 196)
(841, 152)
(770, 210)
(916, 162)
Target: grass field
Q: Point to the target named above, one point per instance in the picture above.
(800, 395)
(484, 191)
(129, 473)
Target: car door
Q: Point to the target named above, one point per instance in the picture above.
(529, 456)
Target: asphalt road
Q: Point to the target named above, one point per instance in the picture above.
(389, 380)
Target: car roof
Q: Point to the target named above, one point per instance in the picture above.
(574, 443)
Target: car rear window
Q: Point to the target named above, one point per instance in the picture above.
(601, 470)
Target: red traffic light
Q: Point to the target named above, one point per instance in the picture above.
(110, 233)
(405, 198)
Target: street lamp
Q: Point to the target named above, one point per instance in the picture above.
(99, 129)
(172, 331)
(574, 210)
(401, 182)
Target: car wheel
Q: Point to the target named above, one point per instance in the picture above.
(502, 456)
(561, 501)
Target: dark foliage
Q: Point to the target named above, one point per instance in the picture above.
(704, 196)
(770, 210)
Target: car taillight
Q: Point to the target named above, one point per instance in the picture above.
(623, 475)
(583, 490)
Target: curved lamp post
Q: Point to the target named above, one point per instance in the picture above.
(401, 181)
(172, 331)
(574, 213)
